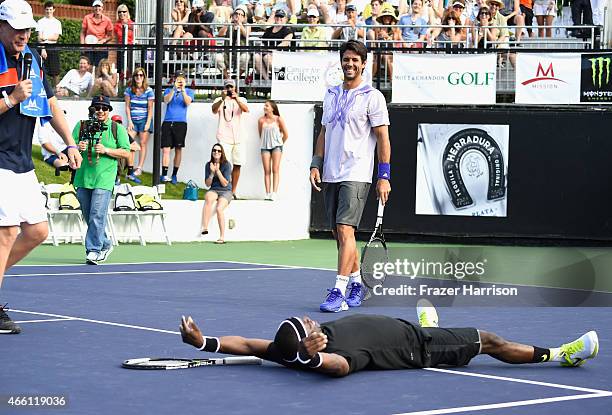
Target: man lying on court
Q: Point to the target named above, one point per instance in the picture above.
(374, 342)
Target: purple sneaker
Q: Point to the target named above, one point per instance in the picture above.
(334, 302)
(356, 293)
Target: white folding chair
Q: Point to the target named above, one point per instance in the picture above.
(71, 215)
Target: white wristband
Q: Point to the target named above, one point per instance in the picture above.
(7, 100)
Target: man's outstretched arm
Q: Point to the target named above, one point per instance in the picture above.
(236, 345)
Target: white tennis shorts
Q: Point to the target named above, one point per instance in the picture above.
(20, 199)
(543, 10)
(233, 152)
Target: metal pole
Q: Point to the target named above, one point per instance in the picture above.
(157, 120)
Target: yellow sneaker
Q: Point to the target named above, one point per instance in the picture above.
(578, 351)
(426, 313)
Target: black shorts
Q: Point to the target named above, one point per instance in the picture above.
(173, 134)
(452, 347)
(344, 202)
(528, 13)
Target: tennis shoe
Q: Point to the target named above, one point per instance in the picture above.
(133, 178)
(7, 326)
(334, 302)
(103, 255)
(427, 314)
(164, 179)
(581, 349)
(92, 258)
(174, 179)
(356, 294)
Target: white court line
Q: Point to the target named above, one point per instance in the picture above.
(108, 323)
(44, 321)
(173, 271)
(506, 404)
(530, 382)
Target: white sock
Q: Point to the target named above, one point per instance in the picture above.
(341, 283)
(555, 355)
(355, 277)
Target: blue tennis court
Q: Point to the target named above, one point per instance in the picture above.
(79, 323)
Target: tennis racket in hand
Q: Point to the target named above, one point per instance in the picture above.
(163, 363)
(375, 254)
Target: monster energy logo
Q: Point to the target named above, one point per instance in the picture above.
(598, 65)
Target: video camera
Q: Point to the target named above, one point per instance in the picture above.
(90, 128)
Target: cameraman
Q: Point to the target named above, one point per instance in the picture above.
(95, 179)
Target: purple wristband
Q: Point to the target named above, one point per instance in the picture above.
(75, 147)
(384, 171)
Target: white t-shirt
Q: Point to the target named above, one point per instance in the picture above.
(48, 27)
(46, 134)
(350, 142)
(73, 81)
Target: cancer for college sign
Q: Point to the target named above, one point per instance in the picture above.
(438, 79)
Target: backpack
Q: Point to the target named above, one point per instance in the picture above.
(124, 198)
(68, 198)
(147, 202)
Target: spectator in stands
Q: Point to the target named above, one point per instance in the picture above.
(223, 13)
(76, 81)
(174, 128)
(514, 16)
(139, 101)
(314, 36)
(123, 20)
(500, 21)
(95, 180)
(277, 36)
(336, 13)
(483, 33)
(49, 30)
(415, 28)
(107, 80)
(373, 11)
(465, 17)
(180, 16)
(236, 34)
(229, 107)
(526, 7)
(355, 28)
(450, 35)
(386, 34)
(273, 134)
(217, 176)
(545, 12)
(582, 14)
(197, 15)
(96, 29)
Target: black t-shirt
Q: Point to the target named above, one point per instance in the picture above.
(369, 342)
(16, 130)
(276, 37)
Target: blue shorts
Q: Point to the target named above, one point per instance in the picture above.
(51, 159)
(272, 150)
(139, 125)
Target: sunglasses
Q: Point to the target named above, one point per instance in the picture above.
(122, 11)
(138, 75)
(101, 108)
(485, 14)
(216, 151)
(229, 87)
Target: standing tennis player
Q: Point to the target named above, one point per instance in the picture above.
(355, 122)
(25, 99)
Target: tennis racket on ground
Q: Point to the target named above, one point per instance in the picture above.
(375, 253)
(163, 363)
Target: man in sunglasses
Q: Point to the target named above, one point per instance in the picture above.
(95, 180)
(230, 107)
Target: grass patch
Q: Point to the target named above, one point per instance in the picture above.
(46, 174)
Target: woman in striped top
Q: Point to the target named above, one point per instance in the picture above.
(139, 100)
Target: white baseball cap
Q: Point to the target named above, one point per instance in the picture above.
(17, 13)
(313, 12)
(197, 4)
(97, 3)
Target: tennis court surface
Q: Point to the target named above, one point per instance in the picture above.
(79, 323)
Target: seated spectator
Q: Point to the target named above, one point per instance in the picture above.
(372, 12)
(355, 28)
(414, 27)
(236, 34)
(180, 15)
(386, 34)
(76, 81)
(483, 33)
(450, 34)
(464, 15)
(53, 148)
(197, 15)
(221, 11)
(499, 20)
(314, 36)
(123, 19)
(545, 12)
(277, 36)
(106, 79)
(511, 9)
(96, 29)
(217, 177)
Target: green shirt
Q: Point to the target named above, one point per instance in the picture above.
(100, 173)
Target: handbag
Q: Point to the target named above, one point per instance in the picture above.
(191, 191)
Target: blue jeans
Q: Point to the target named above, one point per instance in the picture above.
(94, 205)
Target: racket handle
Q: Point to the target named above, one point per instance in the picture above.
(381, 209)
(242, 360)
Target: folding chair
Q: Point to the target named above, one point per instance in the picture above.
(54, 211)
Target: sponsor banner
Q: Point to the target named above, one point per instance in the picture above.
(306, 76)
(438, 79)
(462, 169)
(547, 78)
(595, 81)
